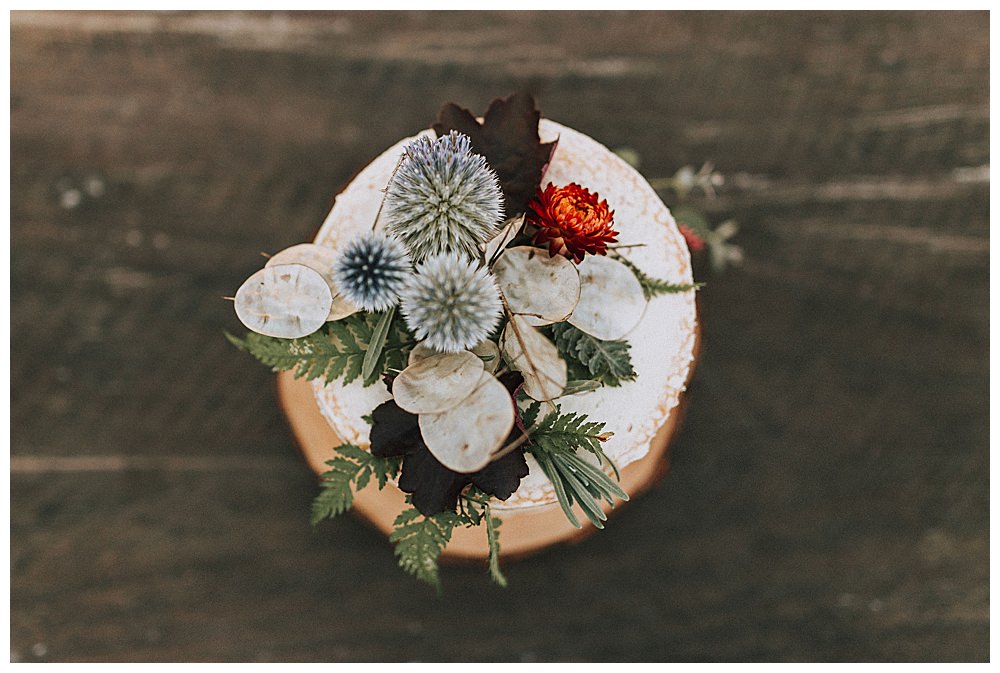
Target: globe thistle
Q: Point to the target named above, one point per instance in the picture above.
(451, 303)
(443, 198)
(371, 270)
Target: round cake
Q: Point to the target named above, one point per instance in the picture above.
(662, 344)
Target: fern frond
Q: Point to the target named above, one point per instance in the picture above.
(652, 287)
(336, 496)
(493, 539)
(560, 433)
(476, 509)
(420, 540)
(337, 351)
(352, 469)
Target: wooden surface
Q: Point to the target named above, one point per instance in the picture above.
(829, 493)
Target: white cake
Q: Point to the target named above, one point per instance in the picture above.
(662, 343)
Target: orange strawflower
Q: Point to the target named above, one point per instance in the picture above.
(572, 221)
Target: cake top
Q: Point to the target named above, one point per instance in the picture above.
(498, 313)
(660, 344)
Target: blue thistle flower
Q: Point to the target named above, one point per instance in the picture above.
(443, 198)
(371, 270)
(451, 302)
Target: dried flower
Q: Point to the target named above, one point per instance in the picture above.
(371, 270)
(451, 303)
(571, 221)
(443, 198)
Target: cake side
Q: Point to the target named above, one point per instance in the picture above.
(662, 342)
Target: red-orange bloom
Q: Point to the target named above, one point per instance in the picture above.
(571, 221)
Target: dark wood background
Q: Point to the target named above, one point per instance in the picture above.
(829, 493)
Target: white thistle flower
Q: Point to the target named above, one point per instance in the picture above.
(451, 303)
(443, 198)
(371, 270)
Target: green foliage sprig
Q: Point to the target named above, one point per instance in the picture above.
(652, 287)
(352, 466)
(477, 508)
(555, 440)
(607, 362)
(421, 539)
(336, 351)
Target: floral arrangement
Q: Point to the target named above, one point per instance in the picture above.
(481, 296)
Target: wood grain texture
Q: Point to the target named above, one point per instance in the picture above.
(829, 493)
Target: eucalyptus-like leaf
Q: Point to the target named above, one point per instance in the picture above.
(321, 259)
(287, 301)
(464, 437)
(536, 358)
(543, 289)
(437, 383)
(493, 247)
(611, 299)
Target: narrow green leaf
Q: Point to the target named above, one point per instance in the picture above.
(587, 502)
(598, 477)
(557, 483)
(377, 343)
(582, 386)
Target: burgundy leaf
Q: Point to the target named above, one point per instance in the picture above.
(502, 477)
(394, 431)
(434, 488)
(508, 138)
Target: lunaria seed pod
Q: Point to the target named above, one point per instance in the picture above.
(287, 301)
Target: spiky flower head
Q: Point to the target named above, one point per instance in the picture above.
(443, 198)
(371, 270)
(451, 302)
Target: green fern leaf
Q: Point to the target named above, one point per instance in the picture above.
(352, 469)
(336, 351)
(530, 414)
(336, 496)
(493, 538)
(652, 287)
(560, 432)
(420, 540)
